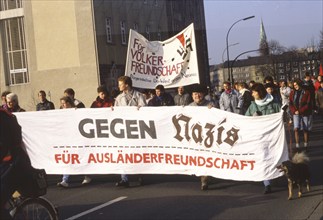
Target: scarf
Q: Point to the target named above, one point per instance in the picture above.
(262, 102)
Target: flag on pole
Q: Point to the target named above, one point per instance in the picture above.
(171, 63)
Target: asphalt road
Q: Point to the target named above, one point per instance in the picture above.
(180, 197)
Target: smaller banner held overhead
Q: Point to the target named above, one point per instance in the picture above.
(171, 63)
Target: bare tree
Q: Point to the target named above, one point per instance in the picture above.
(275, 47)
(312, 45)
(321, 40)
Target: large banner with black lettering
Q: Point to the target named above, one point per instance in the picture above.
(171, 63)
(163, 140)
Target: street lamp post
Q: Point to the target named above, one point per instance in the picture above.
(227, 41)
(225, 49)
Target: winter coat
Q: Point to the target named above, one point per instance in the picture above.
(245, 100)
(284, 93)
(131, 98)
(183, 99)
(304, 105)
(229, 102)
(162, 100)
(265, 106)
(102, 103)
(203, 103)
(46, 105)
(319, 100)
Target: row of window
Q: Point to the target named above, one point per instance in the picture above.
(123, 31)
(295, 63)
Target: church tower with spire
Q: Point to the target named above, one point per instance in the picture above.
(263, 44)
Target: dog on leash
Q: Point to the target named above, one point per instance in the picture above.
(297, 172)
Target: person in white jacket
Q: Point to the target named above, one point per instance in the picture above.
(229, 99)
(128, 97)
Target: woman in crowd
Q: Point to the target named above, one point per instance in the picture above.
(263, 105)
(67, 102)
(301, 109)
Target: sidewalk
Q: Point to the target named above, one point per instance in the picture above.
(315, 136)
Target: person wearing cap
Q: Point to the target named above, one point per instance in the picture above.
(198, 93)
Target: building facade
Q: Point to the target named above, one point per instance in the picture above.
(287, 66)
(54, 45)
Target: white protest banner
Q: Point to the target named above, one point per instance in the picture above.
(163, 140)
(171, 63)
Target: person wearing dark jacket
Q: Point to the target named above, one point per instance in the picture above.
(44, 104)
(14, 161)
(198, 96)
(162, 98)
(301, 108)
(275, 88)
(309, 86)
(244, 98)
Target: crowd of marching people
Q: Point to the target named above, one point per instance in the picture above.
(300, 98)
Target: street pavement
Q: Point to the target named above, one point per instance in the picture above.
(179, 196)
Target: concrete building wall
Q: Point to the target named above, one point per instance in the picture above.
(112, 55)
(61, 48)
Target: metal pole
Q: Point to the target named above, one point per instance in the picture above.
(227, 42)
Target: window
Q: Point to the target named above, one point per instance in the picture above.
(10, 4)
(159, 34)
(136, 27)
(15, 52)
(123, 32)
(108, 30)
(148, 32)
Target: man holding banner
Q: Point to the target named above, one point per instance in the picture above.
(199, 100)
(128, 97)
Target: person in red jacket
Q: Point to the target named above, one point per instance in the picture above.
(301, 109)
(103, 99)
